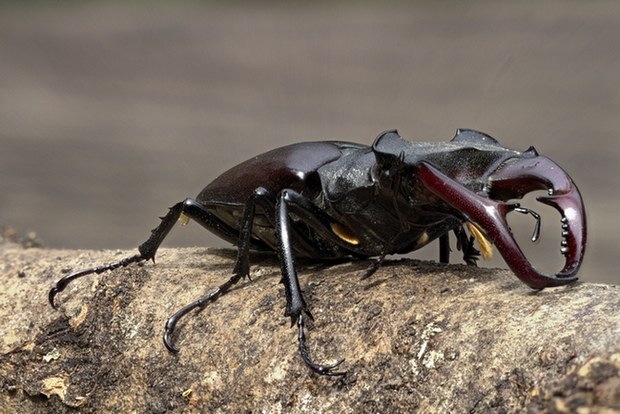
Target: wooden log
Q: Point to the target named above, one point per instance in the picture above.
(417, 336)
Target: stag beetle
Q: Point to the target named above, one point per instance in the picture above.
(332, 199)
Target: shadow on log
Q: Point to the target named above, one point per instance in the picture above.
(417, 336)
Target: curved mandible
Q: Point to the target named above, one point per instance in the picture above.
(490, 215)
(522, 175)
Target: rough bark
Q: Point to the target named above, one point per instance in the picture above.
(416, 336)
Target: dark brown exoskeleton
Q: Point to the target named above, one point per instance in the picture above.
(328, 200)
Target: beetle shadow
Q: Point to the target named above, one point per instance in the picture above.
(555, 291)
(256, 257)
(230, 257)
(359, 267)
(374, 280)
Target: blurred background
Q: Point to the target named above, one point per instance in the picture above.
(111, 112)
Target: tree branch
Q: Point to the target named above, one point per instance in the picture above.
(417, 335)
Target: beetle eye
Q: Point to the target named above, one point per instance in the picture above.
(385, 180)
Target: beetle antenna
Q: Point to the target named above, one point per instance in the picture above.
(534, 214)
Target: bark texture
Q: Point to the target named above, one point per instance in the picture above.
(417, 336)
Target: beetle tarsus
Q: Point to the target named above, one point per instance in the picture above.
(52, 294)
(62, 283)
(167, 342)
(374, 266)
(471, 255)
(303, 350)
(388, 249)
(465, 243)
(200, 303)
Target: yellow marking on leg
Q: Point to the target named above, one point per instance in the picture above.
(183, 219)
(422, 241)
(344, 233)
(486, 248)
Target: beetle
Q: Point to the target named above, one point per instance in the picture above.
(332, 199)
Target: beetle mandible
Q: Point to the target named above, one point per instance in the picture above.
(332, 199)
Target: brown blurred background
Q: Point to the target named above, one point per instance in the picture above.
(110, 113)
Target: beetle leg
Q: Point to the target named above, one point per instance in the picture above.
(388, 249)
(303, 350)
(190, 208)
(242, 265)
(463, 243)
(200, 303)
(404, 226)
(442, 231)
(444, 248)
(290, 201)
(62, 283)
(295, 303)
(197, 212)
(466, 244)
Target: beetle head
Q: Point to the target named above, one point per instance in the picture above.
(476, 177)
(469, 158)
